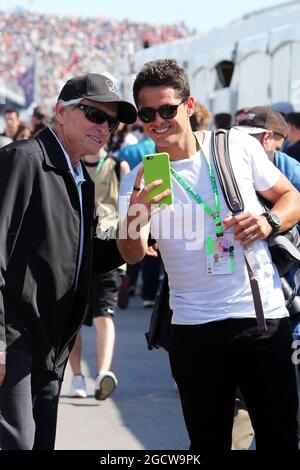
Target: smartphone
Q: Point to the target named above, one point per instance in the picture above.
(157, 166)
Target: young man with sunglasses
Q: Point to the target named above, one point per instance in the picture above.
(215, 343)
(46, 237)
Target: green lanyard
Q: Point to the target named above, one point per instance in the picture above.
(98, 169)
(99, 166)
(215, 215)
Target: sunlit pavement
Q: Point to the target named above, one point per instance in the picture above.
(144, 411)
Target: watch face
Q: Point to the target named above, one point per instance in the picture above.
(275, 219)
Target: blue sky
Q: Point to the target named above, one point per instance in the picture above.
(195, 13)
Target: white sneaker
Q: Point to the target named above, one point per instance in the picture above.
(77, 388)
(106, 382)
(148, 303)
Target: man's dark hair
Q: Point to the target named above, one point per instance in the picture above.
(38, 128)
(162, 72)
(222, 120)
(41, 113)
(11, 110)
(294, 119)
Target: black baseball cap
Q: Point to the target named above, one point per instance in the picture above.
(96, 87)
(262, 119)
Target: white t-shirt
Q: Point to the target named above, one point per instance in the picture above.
(196, 297)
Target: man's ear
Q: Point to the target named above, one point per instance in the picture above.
(60, 112)
(266, 137)
(190, 105)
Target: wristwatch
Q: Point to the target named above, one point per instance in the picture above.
(273, 220)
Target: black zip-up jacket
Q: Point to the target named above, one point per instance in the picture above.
(40, 308)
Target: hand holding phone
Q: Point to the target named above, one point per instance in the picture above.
(157, 166)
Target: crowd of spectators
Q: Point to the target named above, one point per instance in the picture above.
(66, 46)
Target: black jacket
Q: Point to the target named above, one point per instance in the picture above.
(40, 308)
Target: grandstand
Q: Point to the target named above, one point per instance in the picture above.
(38, 53)
(253, 60)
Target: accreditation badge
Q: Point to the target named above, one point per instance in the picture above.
(220, 254)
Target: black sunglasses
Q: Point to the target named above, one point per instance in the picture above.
(98, 116)
(167, 111)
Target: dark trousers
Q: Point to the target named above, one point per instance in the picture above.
(151, 267)
(209, 361)
(28, 402)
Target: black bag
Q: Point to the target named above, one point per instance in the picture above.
(291, 299)
(159, 333)
(284, 249)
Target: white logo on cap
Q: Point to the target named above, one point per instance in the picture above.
(111, 86)
(248, 117)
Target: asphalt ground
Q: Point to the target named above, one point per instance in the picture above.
(144, 411)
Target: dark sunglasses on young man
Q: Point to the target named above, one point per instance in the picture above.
(98, 116)
(166, 111)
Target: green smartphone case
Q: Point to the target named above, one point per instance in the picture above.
(157, 166)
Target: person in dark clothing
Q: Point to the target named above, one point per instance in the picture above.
(46, 242)
(293, 132)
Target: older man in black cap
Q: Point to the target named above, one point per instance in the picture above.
(46, 233)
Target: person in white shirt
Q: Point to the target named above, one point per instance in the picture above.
(215, 344)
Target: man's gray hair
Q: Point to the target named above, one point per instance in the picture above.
(65, 104)
(70, 102)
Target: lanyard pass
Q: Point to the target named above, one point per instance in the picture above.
(218, 222)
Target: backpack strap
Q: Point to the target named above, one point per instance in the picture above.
(221, 158)
(234, 200)
(258, 307)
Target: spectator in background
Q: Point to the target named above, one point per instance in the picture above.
(120, 140)
(133, 153)
(222, 120)
(24, 131)
(69, 45)
(138, 130)
(293, 133)
(39, 116)
(12, 121)
(270, 129)
(201, 117)
(283, 107)
(38, 128)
